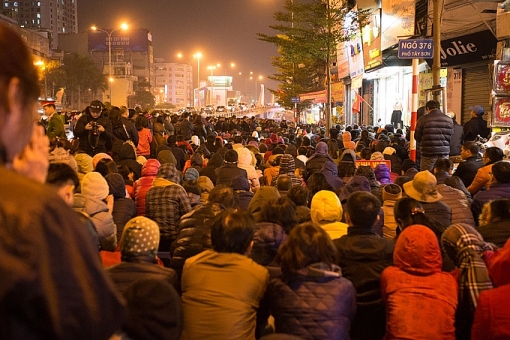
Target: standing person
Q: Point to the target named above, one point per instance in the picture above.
(434, 132)
(52, 283)
(312, 299)
(476, 126)
(55, 122)
(144, 137)
(94, 131)
(225, 307)
(129, 125)
(457, 136)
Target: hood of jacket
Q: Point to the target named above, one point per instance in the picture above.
(126, 151)
(169, 172)
(240, 183)
(348, 152)
(382, 174)
(329, 168)
(116, 185)
(325, 207)
(417, 251)
(150, 168)
(216, 160)
(346, 136)
(245, 156)
(287, 164)
(261, 197)
(88, 204)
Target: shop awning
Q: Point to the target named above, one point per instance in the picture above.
(317, 97)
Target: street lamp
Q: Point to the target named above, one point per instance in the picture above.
(109, 33)
(42, 66)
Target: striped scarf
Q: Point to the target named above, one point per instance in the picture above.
(466, 246)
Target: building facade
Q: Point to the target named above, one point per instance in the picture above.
(49, 16)
(173, 83)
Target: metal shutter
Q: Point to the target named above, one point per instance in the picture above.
(476, 89)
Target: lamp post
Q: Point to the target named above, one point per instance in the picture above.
(109, 33)
(198, 56)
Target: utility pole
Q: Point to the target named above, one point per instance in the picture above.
(436, 65)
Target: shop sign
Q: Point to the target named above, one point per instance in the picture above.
(416, 49)
(469, 48)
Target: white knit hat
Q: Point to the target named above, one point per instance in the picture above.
(95, 185)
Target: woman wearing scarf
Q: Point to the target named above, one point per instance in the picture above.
(465, 246)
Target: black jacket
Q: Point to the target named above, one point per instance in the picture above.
(466, 170)
(434, 132)
(92, 142)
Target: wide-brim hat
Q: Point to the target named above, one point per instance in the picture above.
(423, 188)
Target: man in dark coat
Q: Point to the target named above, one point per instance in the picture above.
(363, 268)
(226, 173)
(94, 131)
(434, 132)
(466, 170)
(476, 125)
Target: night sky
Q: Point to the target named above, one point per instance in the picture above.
(224, 31)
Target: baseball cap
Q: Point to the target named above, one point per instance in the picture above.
(96, 106)
(478, 109)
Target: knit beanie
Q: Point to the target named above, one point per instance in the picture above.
(166, 156)
(154, 310)
(391, 192)
(191, 174)
(95, 185)
(140, 237)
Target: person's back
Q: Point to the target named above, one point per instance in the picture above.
(92, 201)
(363, 255)
(52, 286)
(227, 172)
(166, 202)
(226, 307)
(195, 227)
(500, 188)
(312, 299)
(138, 248)
(433, 131)
(144, 183)
(415, 288)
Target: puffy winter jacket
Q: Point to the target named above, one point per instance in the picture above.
(317, 305)
(103, 220)
(434, 132)
(267, 239)
(143, 184)
(459, 204)
(194, 235)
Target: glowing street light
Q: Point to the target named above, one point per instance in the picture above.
(123, 27)
(42, 66)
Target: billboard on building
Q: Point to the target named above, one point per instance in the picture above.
(135, 40)
(397, 21)
(371, 36)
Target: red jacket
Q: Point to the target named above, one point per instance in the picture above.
(416, 291)
(492, 316)
(144, 183)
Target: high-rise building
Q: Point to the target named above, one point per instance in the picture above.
(50, 16)
(174, 83)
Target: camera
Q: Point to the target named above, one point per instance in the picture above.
(95, 128)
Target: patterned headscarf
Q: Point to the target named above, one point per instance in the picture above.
(465, 246)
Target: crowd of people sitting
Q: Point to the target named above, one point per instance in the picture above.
(254, 227)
